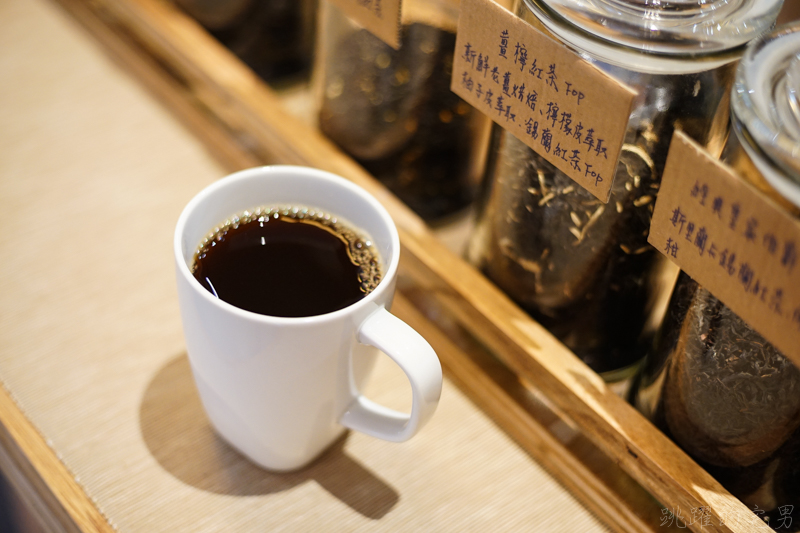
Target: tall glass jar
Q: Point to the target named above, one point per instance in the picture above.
(275, 38)
(393, 111)
(583, 268)
(712, 383)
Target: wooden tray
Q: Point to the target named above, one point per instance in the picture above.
(556, 408)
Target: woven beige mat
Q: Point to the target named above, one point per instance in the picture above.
(93, 174)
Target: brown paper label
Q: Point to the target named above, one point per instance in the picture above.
(379, 17)
(560, 105)
(731, 239)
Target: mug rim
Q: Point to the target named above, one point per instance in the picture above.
(265, 171)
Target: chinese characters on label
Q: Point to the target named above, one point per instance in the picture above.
(560, 106)
(694, 238)
(379, 17)
(731, 240)
(374, 7)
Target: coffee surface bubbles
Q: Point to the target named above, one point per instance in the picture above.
(287, 261)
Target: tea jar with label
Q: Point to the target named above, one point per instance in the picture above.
(275, 38)
(712, 383)
(393, 111)
(582, 267)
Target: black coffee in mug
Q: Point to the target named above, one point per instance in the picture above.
(287, 262)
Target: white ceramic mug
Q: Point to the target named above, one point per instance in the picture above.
(280, 390)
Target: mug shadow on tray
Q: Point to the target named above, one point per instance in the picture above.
(180, 437)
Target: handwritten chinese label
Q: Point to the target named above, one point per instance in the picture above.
(731, 239)
(561, 106)
(379, 17)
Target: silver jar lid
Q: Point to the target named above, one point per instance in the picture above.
(652, 35)
(765, 101)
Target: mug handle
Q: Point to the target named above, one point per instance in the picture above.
(417, 359)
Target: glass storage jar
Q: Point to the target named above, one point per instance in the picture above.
(583, 268)
(393, 111)
(712, 383)
(275, 38)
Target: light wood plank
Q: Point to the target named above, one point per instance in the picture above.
(40, 478)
